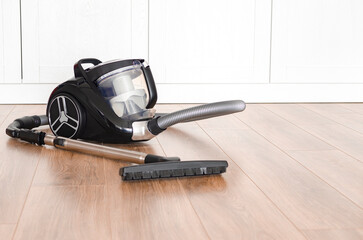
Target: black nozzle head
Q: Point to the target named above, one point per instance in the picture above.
(173, 169)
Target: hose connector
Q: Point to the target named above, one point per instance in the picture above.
(153, 126)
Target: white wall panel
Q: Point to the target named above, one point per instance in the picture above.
(209, 41)
(199, 51)
(317, 41)
(140, 29)
(58, 33)
(10, 53)
(1, 43)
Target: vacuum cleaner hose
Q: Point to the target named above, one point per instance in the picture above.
(22, 128)
(201, 112)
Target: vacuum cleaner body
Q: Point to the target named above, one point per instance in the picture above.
(83, 108)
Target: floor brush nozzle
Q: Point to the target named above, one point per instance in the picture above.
(173, 169)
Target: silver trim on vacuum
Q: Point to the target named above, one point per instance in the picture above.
(140, 131)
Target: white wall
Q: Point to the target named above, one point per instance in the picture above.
(199, 51)
(10, 51)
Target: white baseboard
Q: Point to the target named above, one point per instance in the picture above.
(25, 93)
(202, 93)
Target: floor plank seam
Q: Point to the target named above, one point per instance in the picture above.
(323, 181)
(319, 229)
(337, 148)
(338, 124)
(332, 119)
(182, 188)
(7, 115)
(16, 224)
(279, 116)
(254, 183)
(108, 195)
(65, 185)
(342, 105)
(191, 204)
(26, 199)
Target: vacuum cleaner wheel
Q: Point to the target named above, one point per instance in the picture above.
(66, 116)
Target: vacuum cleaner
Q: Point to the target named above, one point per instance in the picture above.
(112, 102)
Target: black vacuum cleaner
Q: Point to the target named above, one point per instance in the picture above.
(112, 102)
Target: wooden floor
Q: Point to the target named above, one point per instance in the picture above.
(295, 172)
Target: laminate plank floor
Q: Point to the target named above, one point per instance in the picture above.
(335, 234)
(295, 172)
(6, 231)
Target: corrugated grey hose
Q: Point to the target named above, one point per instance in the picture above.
(201, 112)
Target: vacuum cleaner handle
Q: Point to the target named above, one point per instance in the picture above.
(79, 70)
(105, 151)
